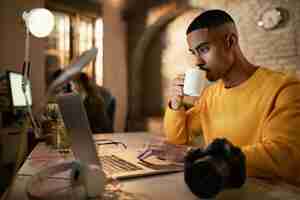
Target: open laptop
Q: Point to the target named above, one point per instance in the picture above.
(118, 165)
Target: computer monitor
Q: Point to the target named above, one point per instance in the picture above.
(17, 94)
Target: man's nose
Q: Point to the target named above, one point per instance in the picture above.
(200, 61)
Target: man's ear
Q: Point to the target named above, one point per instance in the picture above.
(231, 40)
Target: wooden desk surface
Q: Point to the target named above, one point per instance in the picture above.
(158, 187)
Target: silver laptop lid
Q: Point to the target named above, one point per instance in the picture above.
(77, 125)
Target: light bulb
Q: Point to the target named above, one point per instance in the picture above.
(39, 21)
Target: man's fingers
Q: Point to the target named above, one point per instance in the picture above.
(178, 81)
(177, 91)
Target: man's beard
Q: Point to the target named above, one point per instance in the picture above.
(207, 71)
(209, 77)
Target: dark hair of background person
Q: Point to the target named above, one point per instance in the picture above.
(66, 88)
(87, 84)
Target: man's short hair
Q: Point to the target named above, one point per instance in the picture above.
(209, 19)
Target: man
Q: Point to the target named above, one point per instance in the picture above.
(252, 107)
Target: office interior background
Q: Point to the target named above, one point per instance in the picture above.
(142, 46)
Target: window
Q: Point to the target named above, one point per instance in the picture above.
(58, 45)
(85, 39)
(99, 45)
(72, 35)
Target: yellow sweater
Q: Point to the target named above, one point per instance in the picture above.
(262, 116)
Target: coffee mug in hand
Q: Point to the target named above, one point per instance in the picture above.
(193, 82)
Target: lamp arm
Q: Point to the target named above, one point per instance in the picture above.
(26, 74)
(26, 65)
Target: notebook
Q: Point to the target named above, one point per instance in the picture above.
(120, 165)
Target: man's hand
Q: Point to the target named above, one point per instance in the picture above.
(164, 151)
(177, 92)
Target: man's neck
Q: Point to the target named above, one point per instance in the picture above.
(240, 72)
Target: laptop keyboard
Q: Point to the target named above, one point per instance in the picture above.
(112, 164)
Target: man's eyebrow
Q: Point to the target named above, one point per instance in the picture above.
(199, 46)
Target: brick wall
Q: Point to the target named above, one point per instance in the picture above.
(278, 48)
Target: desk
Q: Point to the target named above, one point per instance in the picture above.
(170, 186)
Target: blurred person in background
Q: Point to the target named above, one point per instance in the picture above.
(98, 102)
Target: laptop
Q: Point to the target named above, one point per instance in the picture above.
(120, 165)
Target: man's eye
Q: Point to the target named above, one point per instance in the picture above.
(203, 50)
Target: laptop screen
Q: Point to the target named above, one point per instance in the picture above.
(17, 94)
(77, 125)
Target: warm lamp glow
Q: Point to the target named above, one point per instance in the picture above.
(39, 21)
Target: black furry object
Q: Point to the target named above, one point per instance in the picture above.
(220, 166)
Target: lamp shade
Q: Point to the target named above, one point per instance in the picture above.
(39, 21)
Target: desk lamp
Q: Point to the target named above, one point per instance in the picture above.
(40, 23)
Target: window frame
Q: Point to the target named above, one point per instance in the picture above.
(75, 18)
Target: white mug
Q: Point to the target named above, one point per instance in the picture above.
(193, 82)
